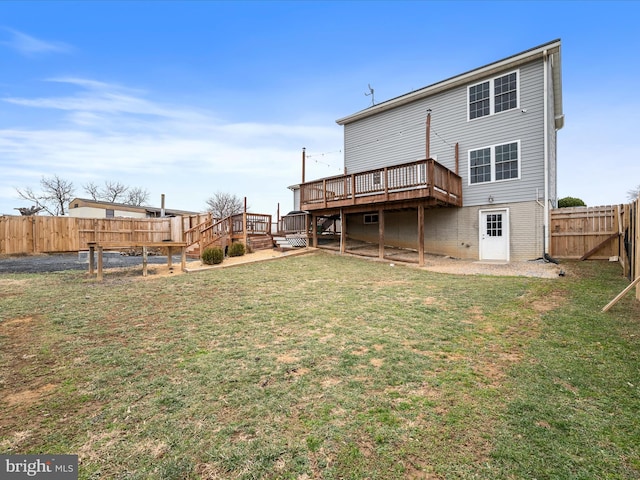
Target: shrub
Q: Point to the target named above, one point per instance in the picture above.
(236, 249)
(570, 202)
(212, 256)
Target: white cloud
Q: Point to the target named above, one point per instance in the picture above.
(106, 131)
(28, 45)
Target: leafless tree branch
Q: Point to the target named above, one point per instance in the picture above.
(222, 205)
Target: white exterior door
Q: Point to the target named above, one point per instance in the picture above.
(494, 234)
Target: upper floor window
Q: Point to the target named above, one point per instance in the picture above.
(479, 104)
(493, 96)
(490, 164)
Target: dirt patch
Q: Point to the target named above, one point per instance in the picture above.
(298, 372)
(209, 471)
(549, 302)
(29, 397)
(360, 351)
(287, 358)
(16, 321)
(330, 382)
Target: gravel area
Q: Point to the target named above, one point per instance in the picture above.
(444, 264)
(71, 261)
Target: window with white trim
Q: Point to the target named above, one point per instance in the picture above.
(493, 96)
(495, 163)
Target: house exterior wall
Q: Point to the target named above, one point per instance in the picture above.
(455, 232)
(93, 212)
(296, 199)
(396, 133)
(399, 135)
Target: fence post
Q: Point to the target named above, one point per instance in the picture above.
(636, 242)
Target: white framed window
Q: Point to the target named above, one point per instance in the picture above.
(495, 163)
(493, 96)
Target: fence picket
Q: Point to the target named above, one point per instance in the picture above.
(41, 234)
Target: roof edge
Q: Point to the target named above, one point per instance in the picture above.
(509, 62)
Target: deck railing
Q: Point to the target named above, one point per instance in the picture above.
(294, 223)
(385, 184)
(209, 231)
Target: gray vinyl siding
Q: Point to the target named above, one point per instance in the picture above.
(455, 232)
(398, 136)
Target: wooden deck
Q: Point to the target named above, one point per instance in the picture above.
(424, 180)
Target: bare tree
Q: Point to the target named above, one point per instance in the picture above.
(93, 190)
(116, 192)
(55, 195)
(137, 196)
(633, 193)
(222, 205)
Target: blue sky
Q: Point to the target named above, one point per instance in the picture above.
(191, 98)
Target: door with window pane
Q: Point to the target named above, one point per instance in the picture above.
(494, 235)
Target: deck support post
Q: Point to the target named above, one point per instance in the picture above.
(431, 170)
(386, 184)
(314, 230)
(343, 232)
(353, 189)
(381, 233)
(421, 235)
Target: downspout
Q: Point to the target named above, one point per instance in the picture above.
(545, 62)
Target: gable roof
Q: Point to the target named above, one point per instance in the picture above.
(549, 48)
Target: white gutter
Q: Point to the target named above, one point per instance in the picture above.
(545, 62)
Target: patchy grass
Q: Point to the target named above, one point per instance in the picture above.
(323, 367)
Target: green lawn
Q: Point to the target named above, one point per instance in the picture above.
(322, 366)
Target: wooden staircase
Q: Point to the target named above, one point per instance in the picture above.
(252, 229)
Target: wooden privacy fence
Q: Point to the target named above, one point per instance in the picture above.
(24, 235)
(579, 230)
(599, 233)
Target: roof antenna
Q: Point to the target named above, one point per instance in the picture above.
(370, 94)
